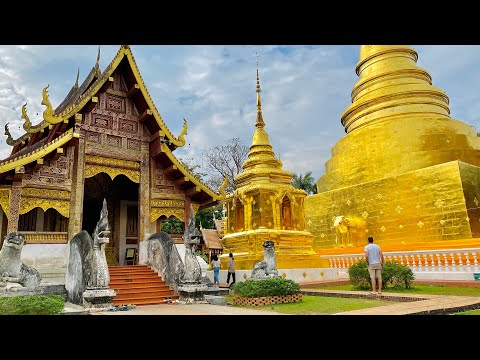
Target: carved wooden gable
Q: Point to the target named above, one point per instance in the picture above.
(163, 184)
(113, 124)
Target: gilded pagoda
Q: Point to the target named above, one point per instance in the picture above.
(265, 206)
(106, 139)
(405, 172)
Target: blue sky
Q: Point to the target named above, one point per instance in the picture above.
(305, 88)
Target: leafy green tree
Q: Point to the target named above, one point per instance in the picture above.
(304, 182)
(172, 225)
(206, 216)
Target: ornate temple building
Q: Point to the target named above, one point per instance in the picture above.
(405, 172)
(265, 206)
(106, 139)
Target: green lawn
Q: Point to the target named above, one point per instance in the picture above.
(469, 312)
(322, 305)
(417, 289)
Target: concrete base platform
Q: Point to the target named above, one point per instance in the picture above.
(72, 309)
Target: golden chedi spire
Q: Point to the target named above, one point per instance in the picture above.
(392, 86)
(397, 122)
(261, 164)
(405, 172)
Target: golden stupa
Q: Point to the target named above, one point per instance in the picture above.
(405, 172)
(265, 206)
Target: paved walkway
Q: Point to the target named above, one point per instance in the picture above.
(181, 309)
(410, 304)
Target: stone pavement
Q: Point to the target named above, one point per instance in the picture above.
(181, 309)
(411, 304)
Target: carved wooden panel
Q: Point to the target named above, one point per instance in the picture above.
(128, 126)
(102, 121)
(115, 103)
(92, 136)
(162, 184)
(114, 141)
(133, 144)
(52, 171)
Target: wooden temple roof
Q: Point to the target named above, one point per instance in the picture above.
(57, 126)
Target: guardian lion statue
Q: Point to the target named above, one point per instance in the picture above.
(12, 269)
(267, 268)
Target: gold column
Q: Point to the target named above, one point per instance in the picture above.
(144, 193)
(78, 181)
(14, 207)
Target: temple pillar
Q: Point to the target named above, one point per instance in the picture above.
(78, 182)
(144, 194)
(14, 207)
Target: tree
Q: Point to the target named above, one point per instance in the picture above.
(206, 216)
(193, 168)
(172, 225)
(225, 160)
(304, 182)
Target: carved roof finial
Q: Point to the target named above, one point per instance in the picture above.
(97, 63)
(76, 81)
(259, 123)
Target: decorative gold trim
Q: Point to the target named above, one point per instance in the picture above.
(100, 160)
(156, 212)
(28, 124)
(112, 167)
(167, 203)
(38, 153)
(45, 193)
(45, 237)
(49, 111)
(27, 204)
(5, 201)
(169, 196)
(92, 170)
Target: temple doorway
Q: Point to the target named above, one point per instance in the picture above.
(122, 203)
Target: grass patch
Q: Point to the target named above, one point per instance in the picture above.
(416, 289)
(469, 312)
(321, 305)
(31, 305)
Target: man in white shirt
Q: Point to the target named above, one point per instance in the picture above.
(375, 261)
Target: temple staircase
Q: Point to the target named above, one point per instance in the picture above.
(139, 285)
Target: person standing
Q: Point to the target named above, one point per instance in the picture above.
(231, 269)
(375, 261)
(216, 269)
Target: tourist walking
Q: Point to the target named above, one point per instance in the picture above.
(375, 261)
(231, 269)
(216, 269)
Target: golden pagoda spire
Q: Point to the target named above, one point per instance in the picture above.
(391, 86)
(261, 163)
(260, 123)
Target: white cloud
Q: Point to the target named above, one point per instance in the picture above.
(304, 90)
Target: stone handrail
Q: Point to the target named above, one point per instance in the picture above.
(451, 260)
(45, 237)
